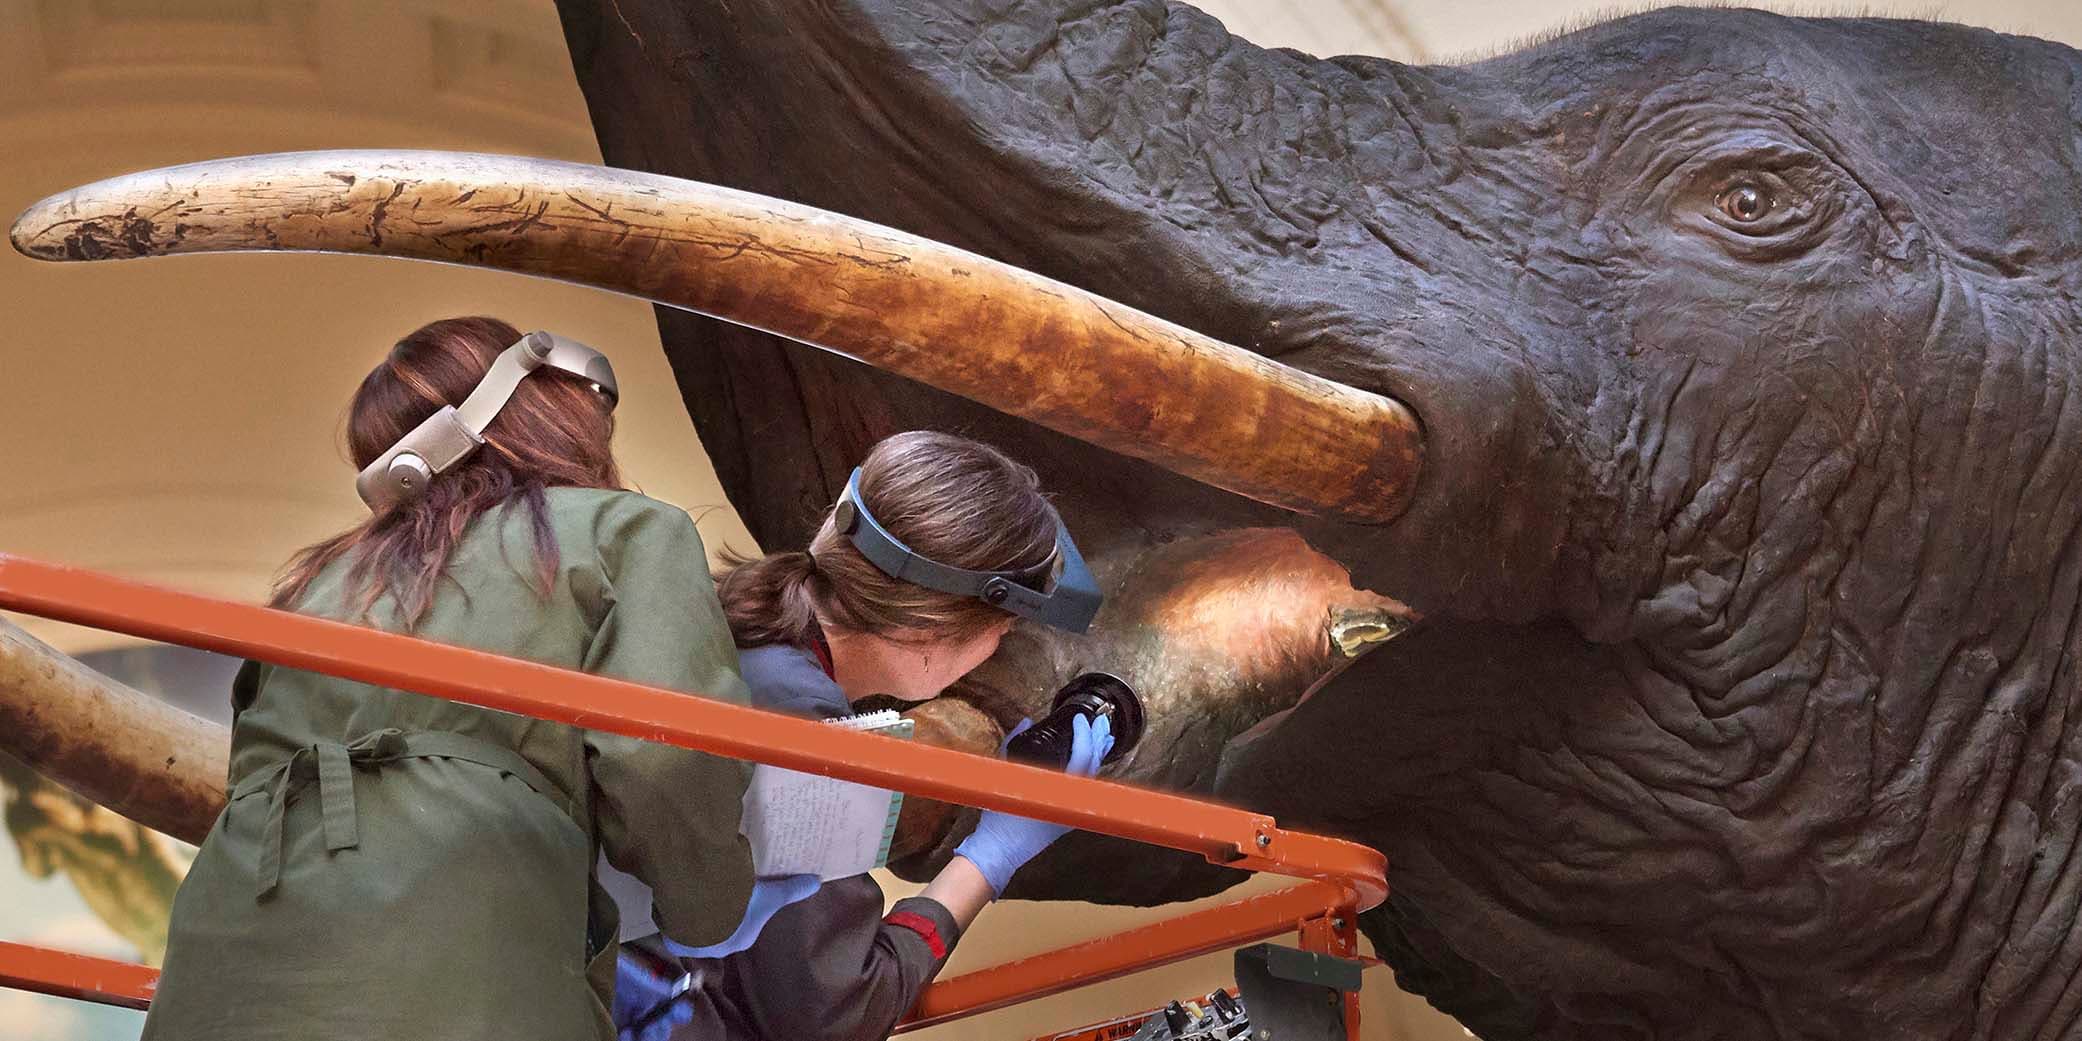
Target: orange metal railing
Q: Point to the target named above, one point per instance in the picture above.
(70, 975)
(1345, 877)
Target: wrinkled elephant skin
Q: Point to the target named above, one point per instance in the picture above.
(1744, 348)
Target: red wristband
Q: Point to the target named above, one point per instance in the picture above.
(925, 929)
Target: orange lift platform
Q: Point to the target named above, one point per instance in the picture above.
(1309, 993)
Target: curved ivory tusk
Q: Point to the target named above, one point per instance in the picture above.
(1020, 343)
(128, 751)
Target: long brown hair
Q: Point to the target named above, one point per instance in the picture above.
(948, 498)
(554, 431)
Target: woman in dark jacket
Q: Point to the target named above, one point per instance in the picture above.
(393, 865)
(817, 631)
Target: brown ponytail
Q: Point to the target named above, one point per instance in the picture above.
(957, 501)
(770, 599)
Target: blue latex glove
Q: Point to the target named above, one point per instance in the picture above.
(1001, 842)
(660, 1025)
(649, 998)
(768, 896)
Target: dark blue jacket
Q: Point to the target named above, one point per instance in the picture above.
(832, 967)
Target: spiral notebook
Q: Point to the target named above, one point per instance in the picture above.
(805, 824)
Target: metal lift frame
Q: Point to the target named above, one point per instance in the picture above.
(1342, 878)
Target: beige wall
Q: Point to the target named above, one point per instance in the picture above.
(176, 420)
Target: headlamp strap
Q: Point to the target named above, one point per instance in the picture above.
(500, 381)
(1068, 603)
(897, 560)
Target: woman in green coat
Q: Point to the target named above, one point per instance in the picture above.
(393, 865)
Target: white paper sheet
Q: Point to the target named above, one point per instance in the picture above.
(805, 824)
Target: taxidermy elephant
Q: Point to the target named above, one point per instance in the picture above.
(1705, 384)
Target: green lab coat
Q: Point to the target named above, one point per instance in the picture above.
(393, 865)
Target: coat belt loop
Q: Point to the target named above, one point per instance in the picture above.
(336, 796)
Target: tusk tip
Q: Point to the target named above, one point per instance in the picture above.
(26, 242)
(44, 231)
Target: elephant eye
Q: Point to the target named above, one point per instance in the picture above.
(1748, 197)
(1744, 203)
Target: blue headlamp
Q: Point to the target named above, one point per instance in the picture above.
(1060, 592)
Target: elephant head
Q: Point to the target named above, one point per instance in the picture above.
(1745, 352)
(1741, 348)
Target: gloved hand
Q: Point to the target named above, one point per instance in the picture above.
(1001, 842)
(659, 1025)
(649, 997)
(768, 896)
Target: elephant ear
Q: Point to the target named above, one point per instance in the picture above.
(1136, 150)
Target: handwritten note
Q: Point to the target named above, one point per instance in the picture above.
(804, 824)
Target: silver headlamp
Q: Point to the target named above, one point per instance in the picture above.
(449, 435)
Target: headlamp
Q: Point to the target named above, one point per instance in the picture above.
(1060, 592)
(447, 437)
